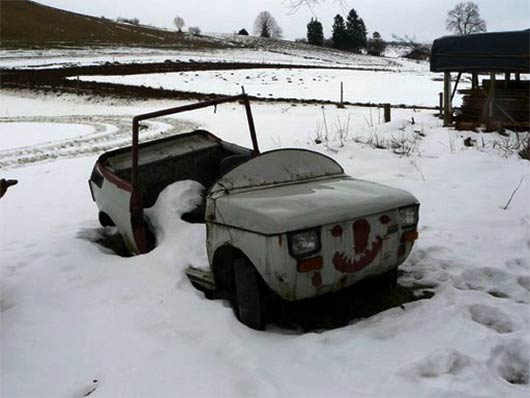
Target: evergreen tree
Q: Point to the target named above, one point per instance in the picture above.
(355, 32)
(361, 32)
(339, 35)
(315, 34)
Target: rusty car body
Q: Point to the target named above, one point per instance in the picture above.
(288, 222)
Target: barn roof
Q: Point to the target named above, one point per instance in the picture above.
(482, 52)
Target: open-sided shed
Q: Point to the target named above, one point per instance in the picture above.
(496, 102)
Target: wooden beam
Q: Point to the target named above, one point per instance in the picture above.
(456, 85)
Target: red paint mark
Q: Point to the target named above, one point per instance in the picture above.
(361, 237)
(336, 231)
(384, 219)
(361, 232)
(344, 263)
(316, 279)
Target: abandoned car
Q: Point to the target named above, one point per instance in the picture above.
(287, 222)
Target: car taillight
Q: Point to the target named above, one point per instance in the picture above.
(409, 236)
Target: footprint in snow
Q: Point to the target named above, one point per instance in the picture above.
(446, 362)
(492, 318)
(495, 282)
(524, 282)
(511, 361)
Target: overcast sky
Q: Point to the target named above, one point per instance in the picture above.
(423, 18)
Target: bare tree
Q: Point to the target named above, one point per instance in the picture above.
(465, 19)
(295, 5)
(179, 23)
(266, 26)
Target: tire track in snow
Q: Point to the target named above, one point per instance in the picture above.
(110, 132)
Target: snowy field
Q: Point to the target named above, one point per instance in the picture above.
(408, 88)
(275, 54)
(78, 319)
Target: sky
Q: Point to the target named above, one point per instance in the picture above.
(424, 19)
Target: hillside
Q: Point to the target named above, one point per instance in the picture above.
(26, 23)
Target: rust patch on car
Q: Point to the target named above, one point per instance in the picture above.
(336, 231)
(316, 279)
(384, 219)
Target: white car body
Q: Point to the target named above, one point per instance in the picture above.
(258, 205)
(290, 218)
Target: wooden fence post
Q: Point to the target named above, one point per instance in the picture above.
(447, 99)
(491, 96)
(387, 112)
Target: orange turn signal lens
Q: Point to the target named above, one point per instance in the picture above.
(311, 264)
(409, 236)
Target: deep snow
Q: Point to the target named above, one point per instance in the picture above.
(75, 317)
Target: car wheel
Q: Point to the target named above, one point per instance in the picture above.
(249, 298)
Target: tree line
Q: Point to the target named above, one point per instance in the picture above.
(348, 34)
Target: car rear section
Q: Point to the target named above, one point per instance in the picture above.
(347, 252)
(323, 230)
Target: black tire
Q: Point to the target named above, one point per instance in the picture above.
(249, 297)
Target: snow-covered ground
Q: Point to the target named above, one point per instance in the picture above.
(409, 88)
(30, 134)
(273, 53)
(77, 318)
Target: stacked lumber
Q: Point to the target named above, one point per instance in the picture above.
(509, 107)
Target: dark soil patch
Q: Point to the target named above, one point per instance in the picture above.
(27, 24)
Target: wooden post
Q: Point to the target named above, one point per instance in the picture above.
(448, 113)
(341, 94)
(474, 81)
(517, 77)
(441, 104)
(491, 96)
(387, 112)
